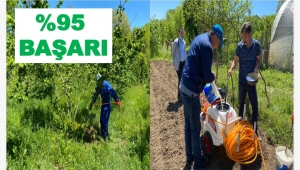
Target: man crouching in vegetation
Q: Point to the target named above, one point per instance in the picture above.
(105, 90)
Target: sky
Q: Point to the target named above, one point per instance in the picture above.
(260, 7)
(138, 12)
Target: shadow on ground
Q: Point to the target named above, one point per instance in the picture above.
(173, 107)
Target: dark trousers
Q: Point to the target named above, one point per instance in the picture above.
(251, 90)
(192, 127)
(104, 118)
(179, 73)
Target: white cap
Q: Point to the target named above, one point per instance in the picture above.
(98, 76)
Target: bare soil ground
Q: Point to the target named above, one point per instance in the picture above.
(167, 128)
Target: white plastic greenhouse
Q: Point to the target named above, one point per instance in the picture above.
(281, 54)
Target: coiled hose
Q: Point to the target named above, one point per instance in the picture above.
(241, 143)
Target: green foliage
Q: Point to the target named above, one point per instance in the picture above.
(163, 54)
(34, 133)
(120, 19)
(200, 16)
(166, 30)
(155, 31)
(274, 118)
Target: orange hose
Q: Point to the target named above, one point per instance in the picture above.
(248, 147)
(249, 142)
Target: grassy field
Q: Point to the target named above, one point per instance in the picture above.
(274, 117)
(35, 139)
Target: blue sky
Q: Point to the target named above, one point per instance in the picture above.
(144, 9)
(260, 7)
(137, 11)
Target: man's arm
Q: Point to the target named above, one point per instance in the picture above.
(233, 64)
(174, 46)
(206, 58)
(111, 91)
(258, 59)
(95, 96)
(258, 63)
(235, 60)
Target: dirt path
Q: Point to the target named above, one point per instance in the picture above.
(167, 125)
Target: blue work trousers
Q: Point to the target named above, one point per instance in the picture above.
(104, 118)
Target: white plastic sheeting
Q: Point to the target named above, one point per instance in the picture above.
(281, 53)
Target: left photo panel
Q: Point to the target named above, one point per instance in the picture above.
(78, 84)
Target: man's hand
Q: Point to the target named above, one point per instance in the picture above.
(255, 71)
(118, 103)
(229, 72)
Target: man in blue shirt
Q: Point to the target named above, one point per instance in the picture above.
(196, 73)
(105, 90)
(248, 55)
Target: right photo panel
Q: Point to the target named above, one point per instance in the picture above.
(221, 85)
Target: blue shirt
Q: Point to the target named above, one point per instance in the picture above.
(105, 90)
(182, 49)
(197, 69)
(247, 58)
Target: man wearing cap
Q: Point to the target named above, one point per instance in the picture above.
(196, 73)
(248, 55)
(179, 56)
(105, 90)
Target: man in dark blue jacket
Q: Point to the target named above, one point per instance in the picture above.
(105, 90)
(196, 73)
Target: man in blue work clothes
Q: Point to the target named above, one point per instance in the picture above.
(248, 55)
(105, 90)
(196, 73)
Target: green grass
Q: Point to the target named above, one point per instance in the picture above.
(37, 139)
(164, 54)
(274, 118)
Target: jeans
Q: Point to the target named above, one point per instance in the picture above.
(104, 118)
(192, 128)
(251, 90)
(179, 73)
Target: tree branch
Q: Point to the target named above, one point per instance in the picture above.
(79, 100)
(66, 89)
(265, 87)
